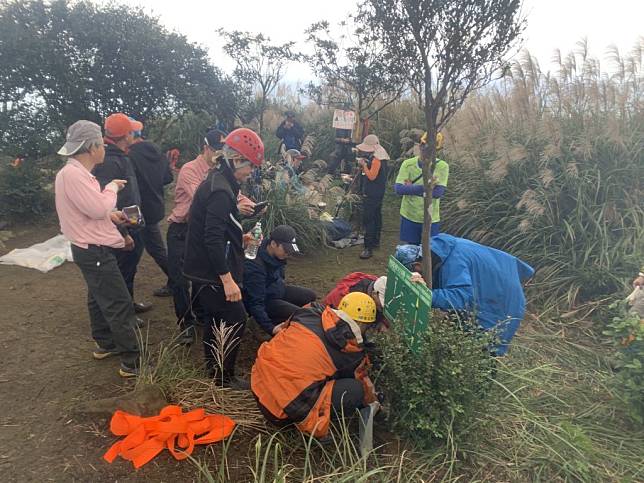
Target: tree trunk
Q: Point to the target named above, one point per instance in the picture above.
(262, 109)
(357, 133)
(428, 157)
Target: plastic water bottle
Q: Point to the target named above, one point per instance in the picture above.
(255, 241)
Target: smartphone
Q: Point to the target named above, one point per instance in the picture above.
(260, 206)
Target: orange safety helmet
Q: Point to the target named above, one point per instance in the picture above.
(247, 143)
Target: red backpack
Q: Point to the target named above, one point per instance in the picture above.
(343, 286)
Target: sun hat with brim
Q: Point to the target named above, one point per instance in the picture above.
(285, 236)
(380, 287)
(78, 134)
(371, 144)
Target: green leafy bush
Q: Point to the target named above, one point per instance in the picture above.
(437, 387)
(627, 333)
(26, 191)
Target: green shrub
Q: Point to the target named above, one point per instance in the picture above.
(627, 334)
(185, 132)
(437, 388)
(26, 191)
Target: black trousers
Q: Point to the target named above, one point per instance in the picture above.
(109, 303)
(295, 297)
(372, 221)
(186, 305)
(128, 261)
(342, 152)
(223, 330)
(153, 242)
(347, 396)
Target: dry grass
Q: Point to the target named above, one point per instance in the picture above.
(550, 168)
(239, 405)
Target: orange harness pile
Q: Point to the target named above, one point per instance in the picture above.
(179, 432)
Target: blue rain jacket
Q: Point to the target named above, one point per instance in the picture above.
(482, 280)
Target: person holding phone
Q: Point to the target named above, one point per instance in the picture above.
(267, 296)
(214, 255)
(89, 220)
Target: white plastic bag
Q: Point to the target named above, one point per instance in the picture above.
(43, 256)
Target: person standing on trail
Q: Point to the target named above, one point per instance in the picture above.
(267, 296)
(410, 185)
(191, 175)
(215, 252)
(152, 173)
(317, 367)
(372, 159)
(118, 139)
(290, 132)
(89, 221)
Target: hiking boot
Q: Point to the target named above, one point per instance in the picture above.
(163, 292)
(366, 253)
(99, 353)
(139, 307)
(187, 336)
(128, 371)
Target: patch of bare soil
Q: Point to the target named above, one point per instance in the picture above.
(48, 378)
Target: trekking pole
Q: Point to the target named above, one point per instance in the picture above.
(347, 190)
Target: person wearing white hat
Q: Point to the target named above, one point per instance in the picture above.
(88, 219)
(372, 158)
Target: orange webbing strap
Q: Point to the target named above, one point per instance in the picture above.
(146, 437)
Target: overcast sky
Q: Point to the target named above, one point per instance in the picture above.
(551, 23)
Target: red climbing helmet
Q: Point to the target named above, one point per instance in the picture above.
(247, 143)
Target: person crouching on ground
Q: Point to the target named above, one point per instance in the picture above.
(477, 279)
(267, 297)
(87, 219)
(372, 285)
(316, 365)
(215, 253)
(372, 158)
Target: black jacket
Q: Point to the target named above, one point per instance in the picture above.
(214, 243)
(152, 173)
(375, 189)
(117, 165)
(292, 137)
(264, 280)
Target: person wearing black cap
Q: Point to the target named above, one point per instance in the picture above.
(190, 177)
(267, 296)
(290, 132)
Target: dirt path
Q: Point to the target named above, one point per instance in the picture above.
(47, 368)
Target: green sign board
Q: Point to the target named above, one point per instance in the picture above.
(405, 301)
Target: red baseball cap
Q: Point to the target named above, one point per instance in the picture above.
(119, 125)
